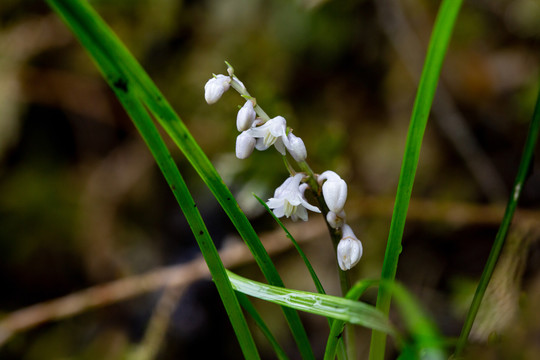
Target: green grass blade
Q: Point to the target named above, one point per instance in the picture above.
(523, 170)
(246, 304)
(438, 45)
(159, 150)
(335, 307)
(128, 76)
(148, 131)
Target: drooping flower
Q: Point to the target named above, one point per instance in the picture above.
(245, 144)
(272, 132)
(245, 116)
(349, 249)
(334, 190)
(289, 200)
(296, 147)
(215, 87)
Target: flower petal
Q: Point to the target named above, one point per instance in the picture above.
(245, 116)
(335, 194)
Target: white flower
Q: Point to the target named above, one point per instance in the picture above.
(272, 132)
(245, 116)
(334, 190)
(215, 87)
(244, 145)
(296, 147)
(336, 220)
(289, 200)
(349, 249)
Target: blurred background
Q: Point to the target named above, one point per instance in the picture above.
(82, 202)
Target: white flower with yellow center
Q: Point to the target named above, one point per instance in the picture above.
(272, 132)
(289, 200)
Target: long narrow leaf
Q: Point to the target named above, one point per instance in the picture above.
(105, 47)
(438, 45)
(523, 170)
(148, 131)
(339, 308)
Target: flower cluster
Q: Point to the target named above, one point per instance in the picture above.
(256, 133)
(259, 131)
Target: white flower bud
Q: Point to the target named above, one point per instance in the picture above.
(335, 194)
(245, 144)
(245, 116)
(349, 249)
(296, 147)
(336, 220)
(215, 87)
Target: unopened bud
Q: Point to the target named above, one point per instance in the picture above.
(335, 194)
(244, 145)
(245, 116)
(215, 87)
(349, 249)
(296, 147)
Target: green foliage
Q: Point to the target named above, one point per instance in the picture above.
(355, 312)
(521, 177)
(424, 98)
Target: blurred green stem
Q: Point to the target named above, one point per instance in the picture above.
(523, 171)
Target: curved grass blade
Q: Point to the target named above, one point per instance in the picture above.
(106, 48)
(335, 307)
(523, 170)
(438, 45)
(246, 304)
